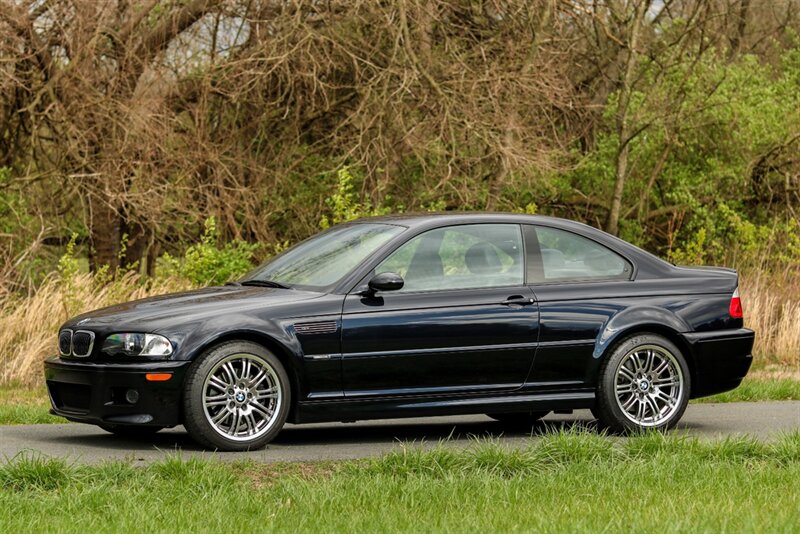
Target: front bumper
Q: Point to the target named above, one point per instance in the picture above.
(95, 392)
(721, 359)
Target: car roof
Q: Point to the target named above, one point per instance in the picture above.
(455, 217)
(436, 219)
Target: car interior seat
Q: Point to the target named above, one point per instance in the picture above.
(482, 258)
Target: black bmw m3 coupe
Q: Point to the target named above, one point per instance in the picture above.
(506, 315)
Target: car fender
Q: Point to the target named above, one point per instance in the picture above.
(634, 319)
(193, 342)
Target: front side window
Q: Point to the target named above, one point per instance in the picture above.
(327, 258)
(459, 257)
(568, 256)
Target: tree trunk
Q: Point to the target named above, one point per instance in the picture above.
(104, 236)
(741, 26)
(623, 125)
(137, 240)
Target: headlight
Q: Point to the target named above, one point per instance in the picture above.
(137, 345)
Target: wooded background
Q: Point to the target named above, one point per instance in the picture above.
(673, 123)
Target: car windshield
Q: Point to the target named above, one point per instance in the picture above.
(324, 259)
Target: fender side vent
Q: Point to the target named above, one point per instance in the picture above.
(317, 327)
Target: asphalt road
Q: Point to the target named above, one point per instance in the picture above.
(88, 444)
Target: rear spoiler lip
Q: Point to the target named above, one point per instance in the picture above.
(708, 268)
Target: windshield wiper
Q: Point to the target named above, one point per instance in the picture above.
(264, 283)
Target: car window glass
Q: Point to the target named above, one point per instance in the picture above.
(568, 256)
(327, 257)
(459, 257)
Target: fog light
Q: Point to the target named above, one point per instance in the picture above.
(132, 396)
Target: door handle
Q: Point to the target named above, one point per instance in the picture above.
(519, 300)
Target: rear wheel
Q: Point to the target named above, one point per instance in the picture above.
(518, 419)
(643, 384)
(237, 397)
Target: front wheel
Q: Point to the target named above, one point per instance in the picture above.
(643, 384)
(237, 397)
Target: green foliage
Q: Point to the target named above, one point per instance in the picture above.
(722, 234)
(32, 472)
(529, 209)
(714, 135)
(693, 251)
(69, 268)
(206, 263)
(68, 264)
(345, 205)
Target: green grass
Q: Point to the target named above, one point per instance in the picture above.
(561, 483)
(25, 406)
(773, 389)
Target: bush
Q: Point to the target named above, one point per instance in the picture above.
(205, 263)
(345, 204)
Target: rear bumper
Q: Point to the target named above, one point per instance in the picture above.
(94, 392)
(721, 359)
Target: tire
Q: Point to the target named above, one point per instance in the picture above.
(237, 397)
(643, 384)
(518, 419)
(131, 431)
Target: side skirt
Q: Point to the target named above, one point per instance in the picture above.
(397, 407)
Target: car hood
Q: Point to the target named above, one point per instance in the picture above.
(157, 313)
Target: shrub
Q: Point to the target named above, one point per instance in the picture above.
(345, 204)
(206, 263)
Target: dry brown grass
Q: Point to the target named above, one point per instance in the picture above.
(772, 309)
(267, 475)
(29, 325)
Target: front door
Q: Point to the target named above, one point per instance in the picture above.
(464, 321)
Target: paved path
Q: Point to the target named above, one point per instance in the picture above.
(85, 443)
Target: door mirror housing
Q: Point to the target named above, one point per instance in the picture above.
(386, 282)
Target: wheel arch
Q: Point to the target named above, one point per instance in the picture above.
(284, 354)
(629, 324)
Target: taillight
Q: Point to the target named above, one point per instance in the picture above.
(735, 307)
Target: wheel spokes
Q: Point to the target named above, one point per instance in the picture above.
(648, 385)
(241, 396)
(648, 365)
(219, 384)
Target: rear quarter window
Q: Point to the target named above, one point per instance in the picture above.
(566, 256)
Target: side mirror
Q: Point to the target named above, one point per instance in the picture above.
(386, 282)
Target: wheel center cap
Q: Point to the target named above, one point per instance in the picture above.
(644, 385)
(240, 396)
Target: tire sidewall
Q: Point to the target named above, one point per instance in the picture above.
(608, 411)
(199, 428)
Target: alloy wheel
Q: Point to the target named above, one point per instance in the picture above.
(241, 397)
(649, 385)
